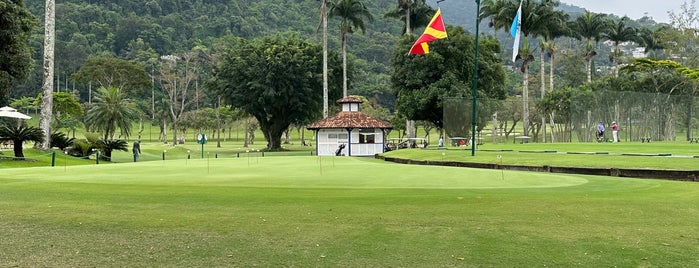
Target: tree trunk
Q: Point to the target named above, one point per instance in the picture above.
(245, 143)
(551, 88)
(525, 99)
(407, 21)
(324, 17)
(273, 134)
(47, 86)
(589, 70)
(344, 65)
(543, 92)
(18, 149)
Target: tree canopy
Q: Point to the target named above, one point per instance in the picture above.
(276, 79)
(421, 82)
(15, 53)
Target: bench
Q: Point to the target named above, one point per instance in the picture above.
(693, 140)
(522, 139)
(645, 139)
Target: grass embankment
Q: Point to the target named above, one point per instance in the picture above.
(351, 212)
(665, 155)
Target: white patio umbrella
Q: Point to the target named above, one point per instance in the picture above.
(12, 113)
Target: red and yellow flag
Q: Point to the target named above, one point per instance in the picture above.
(434, 31)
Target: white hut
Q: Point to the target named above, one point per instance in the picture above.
(350, 132)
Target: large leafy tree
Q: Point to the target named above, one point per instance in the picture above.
(16, 23)
(112, 111)
(422, 82)
(276, 79)
(352, 14)
(19, 134)
(113, 72)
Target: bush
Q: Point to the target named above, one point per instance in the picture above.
(61, 141)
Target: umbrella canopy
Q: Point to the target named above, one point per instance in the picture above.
(12, 113)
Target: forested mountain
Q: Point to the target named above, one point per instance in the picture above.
(142, 31)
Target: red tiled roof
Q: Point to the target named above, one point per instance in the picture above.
(349, 99)
(350, 119)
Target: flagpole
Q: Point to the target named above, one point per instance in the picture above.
(474, 141)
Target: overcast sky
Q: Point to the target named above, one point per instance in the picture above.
(634, 9)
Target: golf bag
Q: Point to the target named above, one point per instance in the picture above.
(338, 152)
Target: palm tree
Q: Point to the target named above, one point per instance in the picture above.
(618, 32)
(554, 27)
(650, 39)
(535, 15)
(47, 85)
(324, 25)
(19, 134)
(494, 11)
(415, 13)
(107, 146)
(351, 14)
(111, 110)
(589, 26)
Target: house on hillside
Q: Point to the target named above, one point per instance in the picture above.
(350, 132)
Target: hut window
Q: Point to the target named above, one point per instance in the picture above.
(367, 136)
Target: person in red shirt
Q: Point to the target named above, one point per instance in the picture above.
(615, 131)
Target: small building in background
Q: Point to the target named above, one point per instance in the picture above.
(350, 132)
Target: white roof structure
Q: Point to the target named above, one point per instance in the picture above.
(12, 113)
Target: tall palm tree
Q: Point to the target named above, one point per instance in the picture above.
(589, 26)
(535, 15)
(554, 27)
(352, 14)
(324, 26)
(47, 85)
(619, 32)
(112, 110)
(19, 134)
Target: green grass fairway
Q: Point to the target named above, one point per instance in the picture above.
(303, 211)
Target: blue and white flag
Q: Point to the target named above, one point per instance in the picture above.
(516, 31)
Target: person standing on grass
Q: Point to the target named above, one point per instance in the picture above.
(615, 131)
(136, 150)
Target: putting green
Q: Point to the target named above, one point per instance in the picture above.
(293, 172)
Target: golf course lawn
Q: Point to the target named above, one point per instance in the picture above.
(309, 211)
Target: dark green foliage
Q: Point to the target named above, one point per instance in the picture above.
(81, 148)
(275, 79)
(20, 134)
(61, 141)
(107, 146)
(421, 82)
(112, 110)
(15, 53)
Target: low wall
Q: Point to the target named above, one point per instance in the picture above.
(677, 175)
